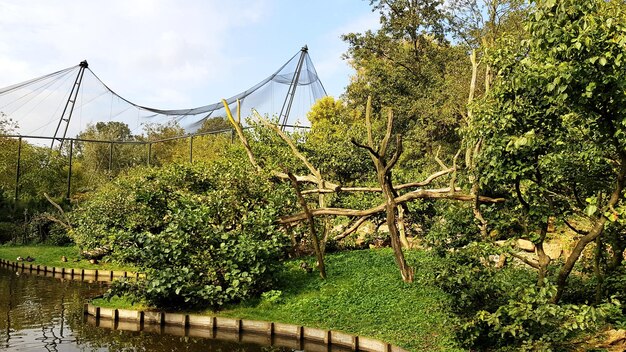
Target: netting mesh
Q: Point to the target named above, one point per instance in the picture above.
(37, 105)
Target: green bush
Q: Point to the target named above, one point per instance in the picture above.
(530, 322)
(203, 234)
(10, 231)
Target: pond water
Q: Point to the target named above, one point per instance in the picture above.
(44, 313)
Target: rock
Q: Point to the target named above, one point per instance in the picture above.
(501, 261)
(553, 250)
(566, 253)
(414, 242)
(615, 336)
(304, 266)
(525, 245)
(97, 253)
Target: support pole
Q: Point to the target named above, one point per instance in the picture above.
(291, 93)
(149, 152)
(110, 156)
(18, 170)
(69, 106)
(191, 150)
(69, 171)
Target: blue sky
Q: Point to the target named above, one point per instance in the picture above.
(177, 54)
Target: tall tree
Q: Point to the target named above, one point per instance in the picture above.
(409, 65)
(553, 124)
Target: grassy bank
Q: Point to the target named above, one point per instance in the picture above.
(51, 256)
(363, 295)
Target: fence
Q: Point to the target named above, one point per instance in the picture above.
(111, 156)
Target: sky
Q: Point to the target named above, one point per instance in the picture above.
(178, 54)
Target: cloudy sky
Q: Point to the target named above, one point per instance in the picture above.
(177, 54)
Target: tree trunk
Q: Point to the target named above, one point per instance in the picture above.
(405, 270)
(595, 232)
(402, 227)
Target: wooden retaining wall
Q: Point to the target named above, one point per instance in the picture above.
(69, 273)
(261, 332)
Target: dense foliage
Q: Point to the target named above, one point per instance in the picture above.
(202, 234)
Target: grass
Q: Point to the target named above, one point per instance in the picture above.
(51, 256)
(362, 295)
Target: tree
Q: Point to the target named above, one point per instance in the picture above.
(553, 122)
(409, 65)
(214, 124)
(322, 186)
(328, 144)
(169, 149)
(107, 157)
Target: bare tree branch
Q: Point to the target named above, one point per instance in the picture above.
(290, 143)
(443, 193)
(65, 223)
(237, 126)
(311, 223)
(355, 226)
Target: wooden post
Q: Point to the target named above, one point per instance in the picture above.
(18, 170)
(69, 171)
(191, 150)
(149, 152)
(110, 156)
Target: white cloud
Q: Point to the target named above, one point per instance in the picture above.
(176, 54)
(332, 64)
(133, 44)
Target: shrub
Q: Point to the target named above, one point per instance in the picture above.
(203, 234)
(530, 322)
(10, 231)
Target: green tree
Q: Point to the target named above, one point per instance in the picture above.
(214, 124)
(553, 122)
(328, 144)
(170, 149)
(102, 157)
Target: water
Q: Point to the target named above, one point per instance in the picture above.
(46, 314)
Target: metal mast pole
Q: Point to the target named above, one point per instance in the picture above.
(284, 111)
(69, 106)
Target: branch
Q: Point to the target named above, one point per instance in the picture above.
(373, 153)
(525, 260)
(439, 161)
(518, 192)
(339, 188)
(289, 142)
(242, 137)
(443, 193)
(385, 142)
(311, 221)
(65, 224)
(352, 228)
(580, 232)
(396, 155)
(454, 167)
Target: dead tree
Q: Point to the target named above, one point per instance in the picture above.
(383, 174)
(392, 198)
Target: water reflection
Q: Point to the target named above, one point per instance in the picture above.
(43, 313)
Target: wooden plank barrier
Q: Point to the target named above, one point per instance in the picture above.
(232, 329)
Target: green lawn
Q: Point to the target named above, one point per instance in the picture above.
(363, 295)
(51, 256)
